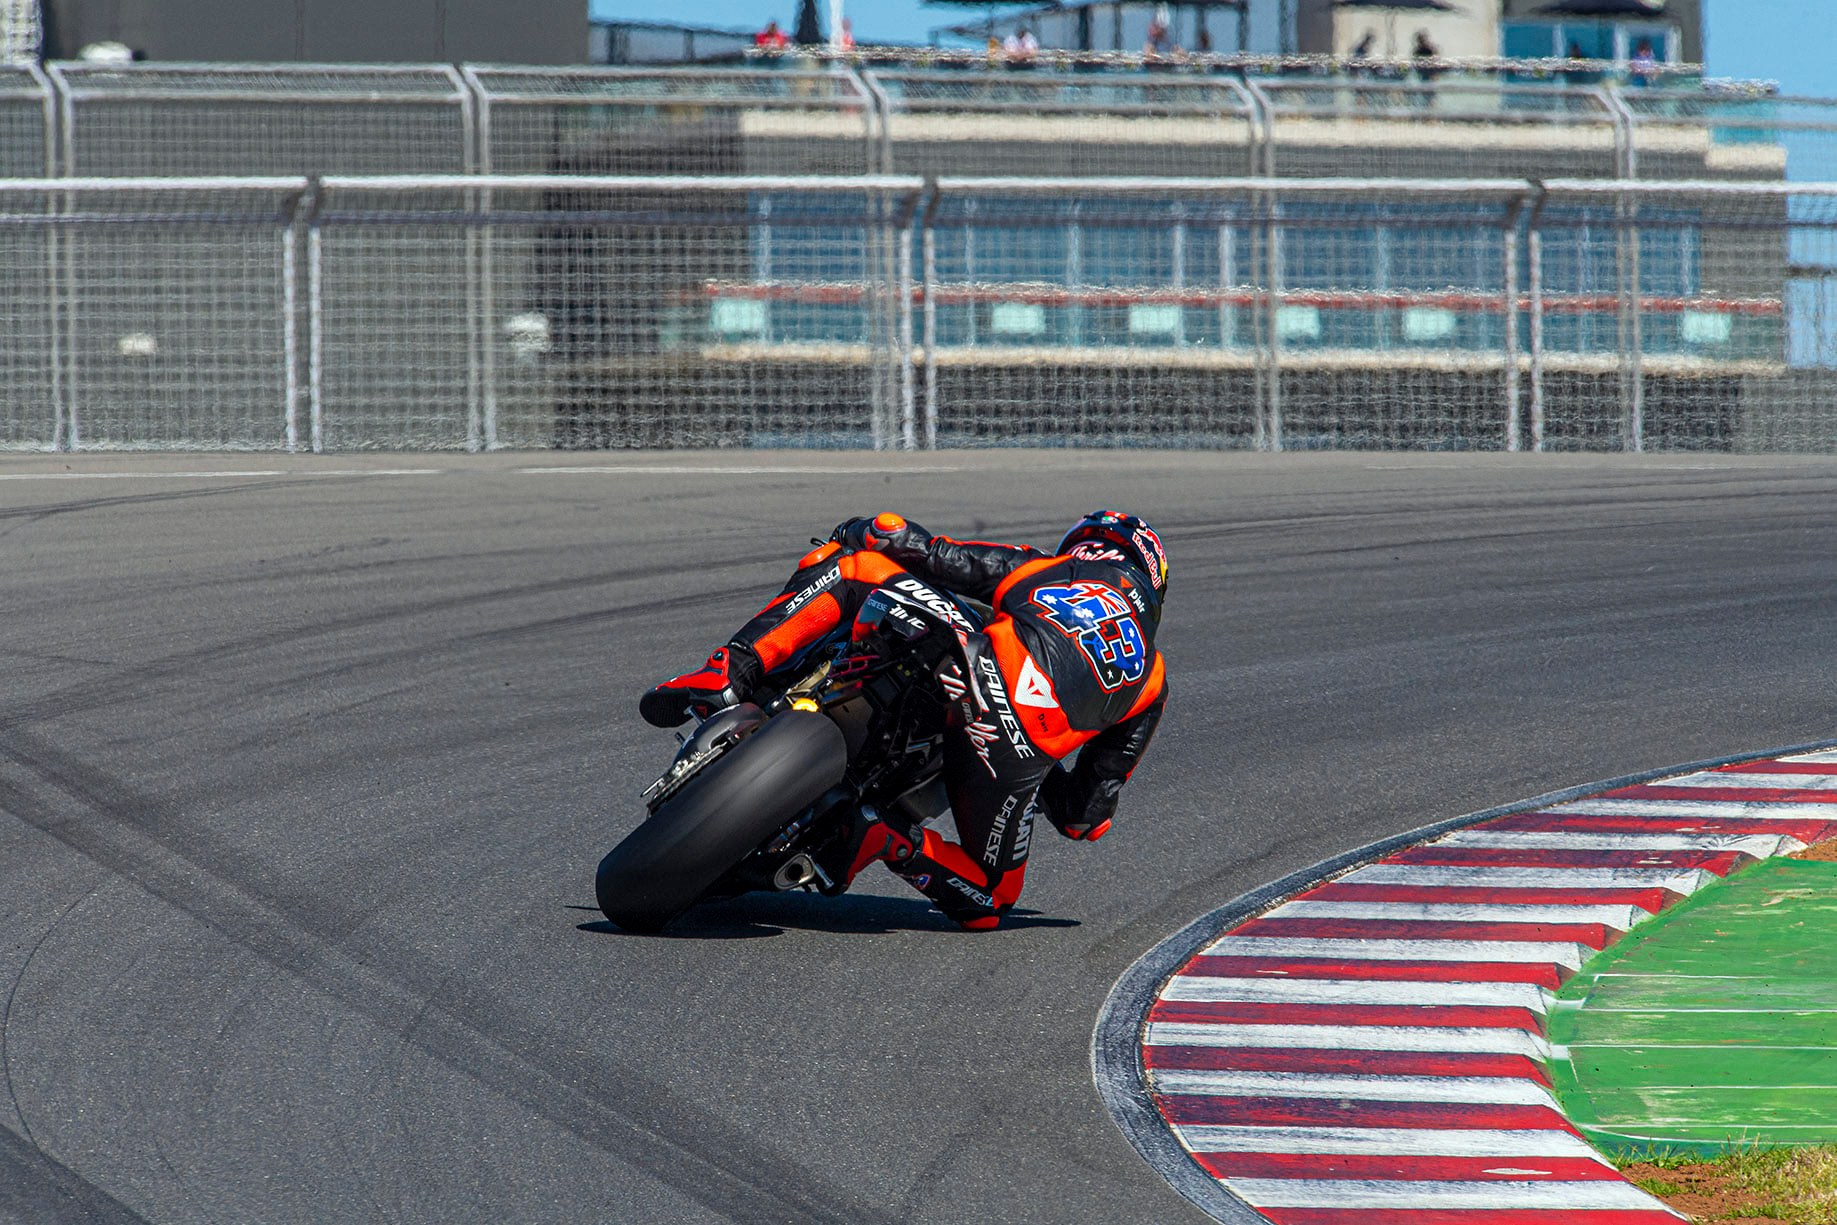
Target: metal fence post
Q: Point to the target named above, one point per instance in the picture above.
(290, 322)
(1271, 433)
(908, 409)
(315, 313)
(1534, 258)
(930, 290)
(1514, 215)
(1627, 279)
(880, 322)
(879, 145)
(481, 381)
(1263, 111)
(53, 256)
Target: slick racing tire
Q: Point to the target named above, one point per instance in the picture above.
(738, 801)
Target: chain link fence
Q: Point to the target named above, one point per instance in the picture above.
(803, 118)
(476, 312)
(193, 350)
(913, 252)
(172, 120)
(912, 114)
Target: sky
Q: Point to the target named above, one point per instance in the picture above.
(1789, 41)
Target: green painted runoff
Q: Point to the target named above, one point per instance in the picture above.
(1714, 1024)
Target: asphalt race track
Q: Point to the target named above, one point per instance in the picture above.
(303, 777)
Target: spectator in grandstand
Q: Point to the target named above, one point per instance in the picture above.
(1358, 63)
(771, 38)
(1427, 55)
(1428, 66)
(1645, 63)
(1575, 74)
(845, 39)
(1021, 48)
(1160, 44)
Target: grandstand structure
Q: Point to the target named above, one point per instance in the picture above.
(925, 249)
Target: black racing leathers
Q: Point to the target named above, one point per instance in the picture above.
(1066, 662)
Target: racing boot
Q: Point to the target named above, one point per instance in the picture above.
(870, 839)
(955, 883)
(731, 675)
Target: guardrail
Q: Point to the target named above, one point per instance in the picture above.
(486, 311)
(922, 115)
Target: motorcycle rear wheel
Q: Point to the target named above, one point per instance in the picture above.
(717, 818)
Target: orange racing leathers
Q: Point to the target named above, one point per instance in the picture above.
(1067, 661)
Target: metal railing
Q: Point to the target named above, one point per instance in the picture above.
(908, 115)
(479, 312)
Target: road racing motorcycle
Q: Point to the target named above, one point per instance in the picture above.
(763, 795)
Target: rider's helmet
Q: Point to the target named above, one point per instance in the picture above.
(1130, 536)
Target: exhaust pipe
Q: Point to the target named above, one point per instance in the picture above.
(798, 872)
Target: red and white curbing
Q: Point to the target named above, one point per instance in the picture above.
(1370, 1051)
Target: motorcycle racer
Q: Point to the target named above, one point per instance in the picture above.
(1067, 662)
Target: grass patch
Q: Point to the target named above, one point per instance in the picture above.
(1797, 1186)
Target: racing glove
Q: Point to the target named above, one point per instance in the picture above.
(1072, 809)
(731, 675)
(887, 533)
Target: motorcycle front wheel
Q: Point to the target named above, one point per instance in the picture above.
(719, 817)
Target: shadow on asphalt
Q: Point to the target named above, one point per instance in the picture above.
(761, 915)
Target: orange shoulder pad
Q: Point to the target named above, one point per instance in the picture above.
(1018, 573)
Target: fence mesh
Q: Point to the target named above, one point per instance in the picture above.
(578, 312)
(30, 354)
(1013, 123)
(392, 280)
(799, 118)
(162, 313)
(542, 311)
(1707, 324)
(1731, 133)
(801, 114)
(201, 119)
(27, 119)
(1371, 123)
(1338, 317)
(1675, 294)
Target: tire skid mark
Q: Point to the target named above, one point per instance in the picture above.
(105, 691)
(81, 505)
(25, 1135)
(645, 1125)
(36, 1187)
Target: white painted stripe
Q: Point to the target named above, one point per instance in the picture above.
(1620, 918)
(1760, 810)
(712, 470)
(1558, 952)
(1431, 875)
(241, 474)
(1821, 782)
(1594, 1193)
(1203, 989)
(1824, 755)
(724, 469)
(1485, 1090)
(1449, 1039)
(1758, 845)
(1515, 1143)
